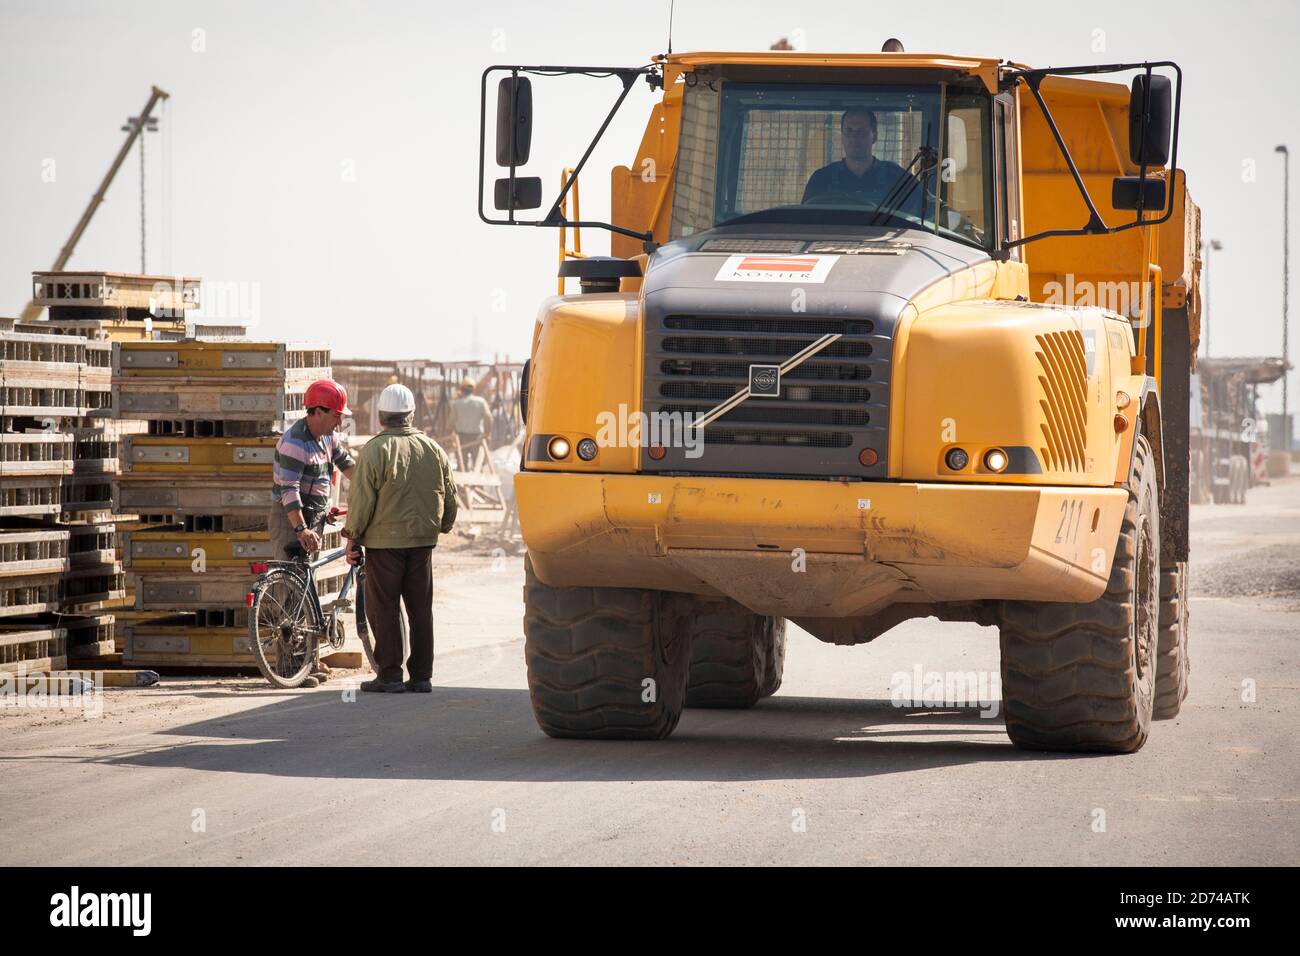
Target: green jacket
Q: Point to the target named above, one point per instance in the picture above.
(402, 493)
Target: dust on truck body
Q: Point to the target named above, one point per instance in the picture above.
(961, 396)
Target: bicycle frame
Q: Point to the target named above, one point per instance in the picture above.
(306, 571)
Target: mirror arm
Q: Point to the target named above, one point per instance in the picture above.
(554, 217)
(627, 80)
(1095, 225)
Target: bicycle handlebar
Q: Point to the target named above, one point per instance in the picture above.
(327, 517)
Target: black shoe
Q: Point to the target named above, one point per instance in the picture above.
(378, 686)
(419, 686)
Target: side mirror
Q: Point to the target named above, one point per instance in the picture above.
(957, 150)
(1154, 148)
(527, 194)
(514, 120)
(1124, 192)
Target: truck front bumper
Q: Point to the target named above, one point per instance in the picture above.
(795, 548)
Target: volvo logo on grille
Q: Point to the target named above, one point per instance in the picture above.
(765, 381)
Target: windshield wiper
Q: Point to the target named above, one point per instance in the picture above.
(908, 183)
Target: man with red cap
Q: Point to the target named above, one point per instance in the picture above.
(305, 458)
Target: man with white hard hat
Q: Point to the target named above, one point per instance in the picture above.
(401, 497)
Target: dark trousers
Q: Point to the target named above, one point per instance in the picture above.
(396, 576)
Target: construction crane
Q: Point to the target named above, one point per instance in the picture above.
(33, 310)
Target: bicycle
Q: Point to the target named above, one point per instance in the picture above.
(286, 621)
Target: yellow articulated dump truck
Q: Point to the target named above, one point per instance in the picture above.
(881, 336)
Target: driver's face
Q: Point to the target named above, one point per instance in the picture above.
(858, 137)
(329, 421)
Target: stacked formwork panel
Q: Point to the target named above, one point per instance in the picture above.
(200, 479)
(108, 307)
(115, 306)
(58, 566)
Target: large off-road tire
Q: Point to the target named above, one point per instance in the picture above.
(1172, 661)
(603, 662)
(737, 656)
(1082, 676)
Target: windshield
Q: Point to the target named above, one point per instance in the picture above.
(844, 154)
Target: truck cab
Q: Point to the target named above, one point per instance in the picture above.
(866, 349)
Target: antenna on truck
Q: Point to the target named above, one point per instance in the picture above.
(671, 5)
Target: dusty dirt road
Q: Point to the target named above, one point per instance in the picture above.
(828, 771)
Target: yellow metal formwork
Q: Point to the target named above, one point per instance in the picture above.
(226, 588)
(192, 550)
(181, 645)
(171, 495)
(274, 360)
(199, 457)
(183, 550)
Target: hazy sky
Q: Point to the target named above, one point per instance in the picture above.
(323, 156)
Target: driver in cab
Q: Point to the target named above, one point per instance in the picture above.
(860, 175)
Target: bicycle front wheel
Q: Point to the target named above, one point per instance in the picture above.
(280, 625)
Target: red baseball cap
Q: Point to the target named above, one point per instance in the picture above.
(329, 394)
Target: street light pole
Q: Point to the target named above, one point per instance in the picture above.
(1286, 282)
(1214, 246)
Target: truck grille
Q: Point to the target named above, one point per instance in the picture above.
(829, 408)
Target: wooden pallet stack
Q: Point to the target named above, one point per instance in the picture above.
(116, 306)
(200, 480)
(58, 565)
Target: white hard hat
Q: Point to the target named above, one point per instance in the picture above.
(396, 399)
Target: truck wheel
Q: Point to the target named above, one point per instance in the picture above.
(603, 662)
(1082, 676)
(737, 656)
(1172, 663)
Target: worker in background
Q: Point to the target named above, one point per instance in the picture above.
(303, 471)
(401, 498)
(471, 419)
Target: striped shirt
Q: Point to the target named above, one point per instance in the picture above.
(304, 467)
